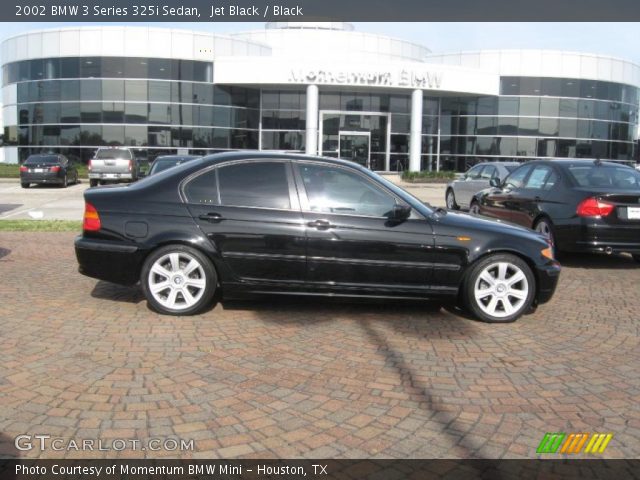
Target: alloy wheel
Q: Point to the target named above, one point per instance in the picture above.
(177, 281)
(501, 289)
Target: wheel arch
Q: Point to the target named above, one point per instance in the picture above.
(498, 251)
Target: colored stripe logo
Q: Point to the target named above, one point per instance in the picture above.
(573, 443)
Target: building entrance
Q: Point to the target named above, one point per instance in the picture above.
(355, 146)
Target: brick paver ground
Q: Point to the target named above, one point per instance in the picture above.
(82, 359)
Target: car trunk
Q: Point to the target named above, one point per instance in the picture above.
(623, 223)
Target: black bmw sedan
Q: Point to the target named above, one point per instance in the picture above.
(48, 169)
(267, 223)
(581, 205)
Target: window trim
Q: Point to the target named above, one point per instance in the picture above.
(293, 196)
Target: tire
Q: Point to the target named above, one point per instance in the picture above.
(636, 257)
(65, 181)
(450, 198)
(93, 183)
(474, 208)
(25, 185)
(545, 226)
(498, 302)
(184, 292)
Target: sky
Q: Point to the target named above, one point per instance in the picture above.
(614, 39)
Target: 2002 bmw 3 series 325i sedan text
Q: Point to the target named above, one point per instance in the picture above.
(268, 223)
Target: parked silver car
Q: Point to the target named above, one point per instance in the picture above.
(460, 192)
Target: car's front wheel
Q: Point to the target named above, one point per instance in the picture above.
(451, 200)
(636, 257)
(474, 208)
(178, 280)
(499, 288)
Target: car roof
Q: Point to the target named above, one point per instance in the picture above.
(256, 155)
(566, 162)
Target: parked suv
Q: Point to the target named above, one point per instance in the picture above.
(113, 165)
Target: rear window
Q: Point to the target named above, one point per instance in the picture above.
(41, 159)
(511, 168)
(615, 178)
(160, 165)
(112, 153)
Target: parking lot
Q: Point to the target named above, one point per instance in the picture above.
(84, 359)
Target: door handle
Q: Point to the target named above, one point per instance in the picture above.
(321, 224)
(211, 217)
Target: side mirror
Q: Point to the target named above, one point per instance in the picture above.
(495, 182)
(400, 212)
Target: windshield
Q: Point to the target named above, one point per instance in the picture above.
(111, 153)
(49, 159)
(604, 176)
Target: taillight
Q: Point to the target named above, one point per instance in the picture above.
(23, 168)
(89, 165)
(55, 169)
(130, 165)
(592, 207)
(91, 220)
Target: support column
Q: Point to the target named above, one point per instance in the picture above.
(415, 142)
(311, 141)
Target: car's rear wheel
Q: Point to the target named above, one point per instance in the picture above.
(474, 208)
(499, 288)
(451, 200)
(25, 185)
(178, 280)
(93, 183)
(65, 181)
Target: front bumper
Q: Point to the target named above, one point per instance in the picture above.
(547, 276)
(107, 260)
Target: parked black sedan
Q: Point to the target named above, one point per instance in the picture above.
(581, 205)
(268, 223)
(48, 169)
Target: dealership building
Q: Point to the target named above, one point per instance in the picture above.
(316, 88)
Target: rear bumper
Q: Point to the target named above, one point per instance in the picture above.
(112, 177)
(51, 178)
(547, 276)
(597, 236)
(108, 260)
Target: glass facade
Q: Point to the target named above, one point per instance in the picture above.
(540, 117)
(74, 105)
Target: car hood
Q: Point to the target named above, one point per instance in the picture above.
(462, 222)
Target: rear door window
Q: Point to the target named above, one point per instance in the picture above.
(538, 177)
(255, 184)
(600, 176)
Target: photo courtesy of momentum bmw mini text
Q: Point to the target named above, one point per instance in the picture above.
(326, 240)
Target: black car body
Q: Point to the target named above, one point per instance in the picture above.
(48, 169)
(583, 205)
(266, 223)
(164, 162)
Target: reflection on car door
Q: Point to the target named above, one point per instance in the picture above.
(352, 244)
(251, 214)
(530, 199)
(500, 202)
